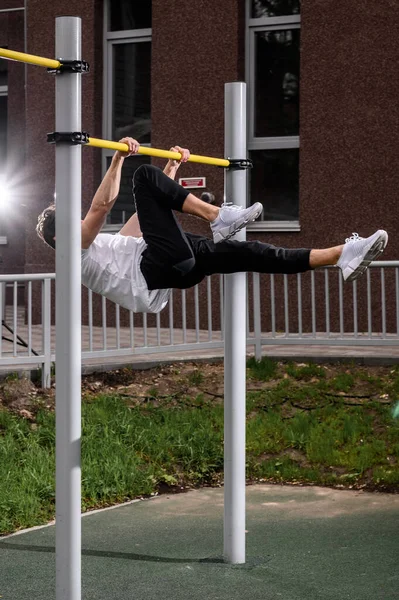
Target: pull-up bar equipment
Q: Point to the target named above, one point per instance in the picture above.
(195, 158)
(31, 59)
(53, 65)
(68, 181)
(83, 138)
(79, 66)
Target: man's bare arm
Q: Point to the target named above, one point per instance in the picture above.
(132, 227)
(172, 165)
(106, 195)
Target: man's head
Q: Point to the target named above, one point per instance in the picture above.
(45, 228)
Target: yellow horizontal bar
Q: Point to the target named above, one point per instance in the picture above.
(30, 58)
(205, 160)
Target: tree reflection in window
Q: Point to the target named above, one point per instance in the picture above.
(274, 8)
(127, 14)
(275, 183)
(277, 83)
(132, 91)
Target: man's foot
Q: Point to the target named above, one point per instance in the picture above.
(359, 252)
(232, 218)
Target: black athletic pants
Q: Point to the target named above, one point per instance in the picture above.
(175, 259)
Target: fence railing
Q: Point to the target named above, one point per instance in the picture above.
(23, 342)
(311, 308)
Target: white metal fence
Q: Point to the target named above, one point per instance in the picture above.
(312, 308)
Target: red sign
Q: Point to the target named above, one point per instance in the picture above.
(193, 182)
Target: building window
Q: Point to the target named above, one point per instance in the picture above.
(273, 46)
(127, 89)
(127, 15)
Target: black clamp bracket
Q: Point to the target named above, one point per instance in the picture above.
(71, 137)
(70, 66)
(240, 164)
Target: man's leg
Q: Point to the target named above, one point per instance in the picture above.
(253, 256)
(225, 221)
(352, 257)
(171, 252)
(168, 250)
(235, 256)
(326, 257)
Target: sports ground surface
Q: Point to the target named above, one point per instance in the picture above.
(303, 543)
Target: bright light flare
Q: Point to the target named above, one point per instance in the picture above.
(5, 194)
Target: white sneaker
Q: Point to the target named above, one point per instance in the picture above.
(232, 218)
(358, 253)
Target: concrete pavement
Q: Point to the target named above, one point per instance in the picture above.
(303, 543)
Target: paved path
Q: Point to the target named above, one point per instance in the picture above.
(303, 543)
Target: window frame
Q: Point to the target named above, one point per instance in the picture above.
(253, 26)
(111, 39)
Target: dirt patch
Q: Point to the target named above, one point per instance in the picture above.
(167, 382)
(203, 383)
(21, 396)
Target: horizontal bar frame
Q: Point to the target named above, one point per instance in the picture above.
(145, 150)
(31, 59)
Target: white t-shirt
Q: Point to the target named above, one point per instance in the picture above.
(111, 267)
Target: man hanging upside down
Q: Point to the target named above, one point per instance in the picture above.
(138, 267)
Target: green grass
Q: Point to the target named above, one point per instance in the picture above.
(26, 472)
(344, 382)
(306, 372)
(263, 370)
(297, 430)
(196, 378)
(126, 452)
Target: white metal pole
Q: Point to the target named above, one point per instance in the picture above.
(68, 318)
(235, 340)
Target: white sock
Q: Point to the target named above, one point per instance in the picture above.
(215, 220)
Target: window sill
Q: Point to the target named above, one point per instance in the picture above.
(274, 226)
(3, 240)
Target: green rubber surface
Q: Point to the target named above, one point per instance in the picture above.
(303, 543)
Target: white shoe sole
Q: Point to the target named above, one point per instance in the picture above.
(358, 266)
(225, 233)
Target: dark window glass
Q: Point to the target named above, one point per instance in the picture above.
(132, 91)
(274, 8)
(130, 14)
(3, 132)
(3, 72)
(124, 207)
(277, 83)
(275, 183)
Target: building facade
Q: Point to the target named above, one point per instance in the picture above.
(322, 118)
